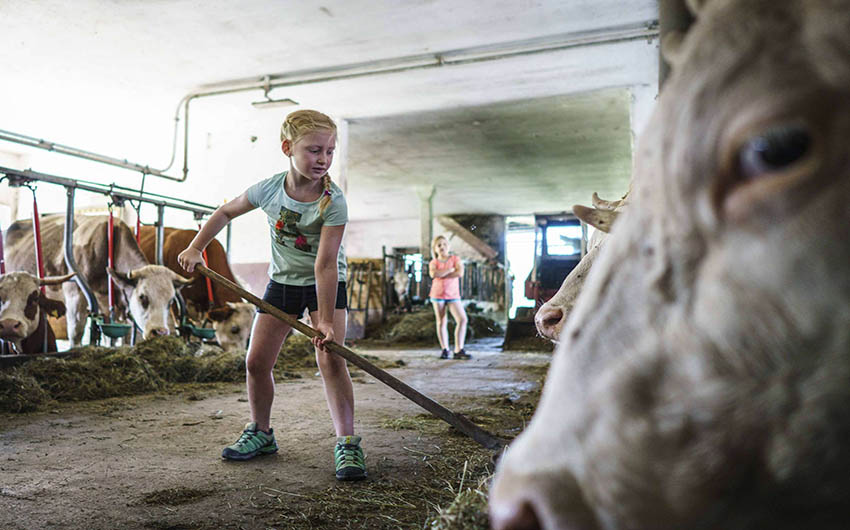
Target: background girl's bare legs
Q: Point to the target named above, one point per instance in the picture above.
(266, 339)
(442, 324)
(339, 391)
(461, 320)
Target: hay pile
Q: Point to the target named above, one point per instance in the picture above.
(20, 393)
(419, 328)
(96, 372)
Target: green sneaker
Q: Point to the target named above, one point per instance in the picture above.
(349, 459)
(253, 442)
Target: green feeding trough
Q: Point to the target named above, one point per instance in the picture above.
(201, 333)
(113, 330)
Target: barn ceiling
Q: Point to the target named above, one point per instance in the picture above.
(504, 106)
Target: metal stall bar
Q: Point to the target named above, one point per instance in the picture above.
(68, 248)
(116, 193)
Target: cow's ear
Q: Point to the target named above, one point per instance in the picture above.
(125, 281)
(179, 281)
(599, 219)
(54, 308)
(220, 314)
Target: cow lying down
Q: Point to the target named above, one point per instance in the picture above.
(702, 380)
(23, 322)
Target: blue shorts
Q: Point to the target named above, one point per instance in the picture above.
(445, 300)
(292, 299)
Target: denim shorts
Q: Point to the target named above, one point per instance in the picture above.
(292, 299)
(445, 300)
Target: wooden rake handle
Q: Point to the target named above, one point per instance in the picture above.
(457, 421)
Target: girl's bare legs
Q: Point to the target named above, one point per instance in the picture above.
(267, 336)
(461, 320)
(442, 324)
(339, 392)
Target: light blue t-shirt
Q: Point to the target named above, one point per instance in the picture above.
(295, 228)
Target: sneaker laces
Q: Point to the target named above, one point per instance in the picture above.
(348, 455)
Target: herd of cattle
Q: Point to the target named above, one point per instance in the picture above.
(144, 293)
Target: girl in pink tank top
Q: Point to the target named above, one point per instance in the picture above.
(445, 272)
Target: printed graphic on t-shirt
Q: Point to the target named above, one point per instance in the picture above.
(287, 233)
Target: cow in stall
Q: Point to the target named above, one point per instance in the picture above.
(701, 380)
(23, 306)
(552, 315)
(230, 315)
(144, 291)
(401, 288)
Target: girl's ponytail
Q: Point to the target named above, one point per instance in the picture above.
(326, 194)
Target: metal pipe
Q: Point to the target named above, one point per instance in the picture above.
(91, 300)
(160, 233)
(81, 153)
(18, 176)
(227, 240)
(643, 30)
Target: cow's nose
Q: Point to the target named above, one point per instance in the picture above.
(549, 321)
(513, 516)
(159, 332)
(9, 324)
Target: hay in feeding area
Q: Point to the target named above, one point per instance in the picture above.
(419, 328)
(20, 393)
(97, 372)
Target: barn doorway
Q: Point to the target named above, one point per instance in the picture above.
(519, 251)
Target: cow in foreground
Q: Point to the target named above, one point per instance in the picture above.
(22, 312)
(702, 378)
(144, 291)
(230, 315)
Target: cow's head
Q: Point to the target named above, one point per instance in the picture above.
(21, 303)
(552, 315)
(149, 291)
(232, 323)
(702, 378)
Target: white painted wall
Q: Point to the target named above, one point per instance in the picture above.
(364, 239)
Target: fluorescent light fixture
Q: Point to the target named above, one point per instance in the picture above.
(285, 102)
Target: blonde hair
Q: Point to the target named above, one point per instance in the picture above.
(300, 123)
(434, 244)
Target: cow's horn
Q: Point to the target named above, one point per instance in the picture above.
(55, 280)
(124, 280)
(180, 281)
(695, 6)
(602, 204)
(599, 219)
(671, 47)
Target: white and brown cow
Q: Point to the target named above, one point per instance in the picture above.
(144, 290)
(231, 316)
(703, 378)
(232, 323)
(23, 322)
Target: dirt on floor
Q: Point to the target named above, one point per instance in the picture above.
(153, 461)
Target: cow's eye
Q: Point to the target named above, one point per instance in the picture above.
(774, 150)
(234, 329)
(144, 301)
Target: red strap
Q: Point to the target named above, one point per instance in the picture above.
(2, 257)
(138, 229)
(110, 261)
(36, 224)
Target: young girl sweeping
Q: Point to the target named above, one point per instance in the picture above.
(307, 214)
